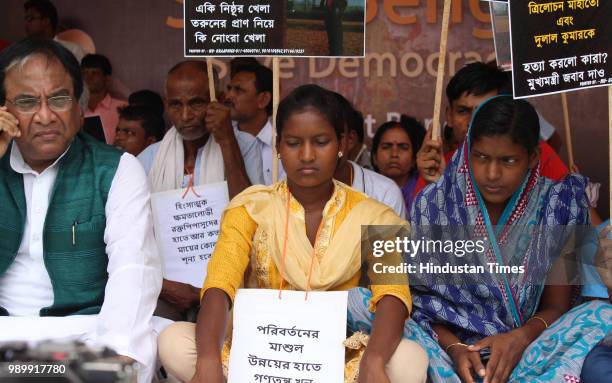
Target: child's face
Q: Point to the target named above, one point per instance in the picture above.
(309, 149)
(499, 167)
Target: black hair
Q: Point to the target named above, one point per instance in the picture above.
(151, 121)
(48, 48)
(346, 109)
(97, 61)
(149, 98)
(352, 117)
(263, 79)
(476, 79)
(239, 61)
(413, 128)
(355, 124)
(310, 97)
(45, 8)
(503, 115)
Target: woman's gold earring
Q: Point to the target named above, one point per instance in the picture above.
(340, 154)
(278, 155)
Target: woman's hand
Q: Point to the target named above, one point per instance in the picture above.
(467, 363)
(372, 369)
(506, 351)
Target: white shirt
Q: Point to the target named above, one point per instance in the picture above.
(264, 140)
(546, 128)
(134, 266)
(379, 187)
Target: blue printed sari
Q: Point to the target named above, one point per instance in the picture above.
(494, 304)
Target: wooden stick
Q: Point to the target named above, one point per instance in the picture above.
(275, 100)
(568, 132)
(435, 134)
(211, 79)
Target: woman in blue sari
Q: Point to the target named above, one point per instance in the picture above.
(497, 327)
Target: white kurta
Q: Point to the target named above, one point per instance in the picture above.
(134, 268)
(380, 188)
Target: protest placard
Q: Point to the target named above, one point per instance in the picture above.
(274, 28)
(187, 228)
(560, 45)
(289, 340)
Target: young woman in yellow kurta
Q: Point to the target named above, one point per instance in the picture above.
(269, 236)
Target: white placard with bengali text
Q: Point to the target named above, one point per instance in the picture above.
(291, 340)
(186, 229)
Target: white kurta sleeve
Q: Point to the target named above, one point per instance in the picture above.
(134, 266)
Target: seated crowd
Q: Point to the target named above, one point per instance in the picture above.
(78, 252)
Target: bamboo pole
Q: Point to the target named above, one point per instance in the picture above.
(211, 79)
(441, 69)
(275, 101)
(568, 132)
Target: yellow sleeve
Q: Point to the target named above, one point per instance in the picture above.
(401, 292)
(231, 256)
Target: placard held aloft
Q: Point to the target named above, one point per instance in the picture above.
(558, 46)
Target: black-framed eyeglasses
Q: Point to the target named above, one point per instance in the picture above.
(31, 105)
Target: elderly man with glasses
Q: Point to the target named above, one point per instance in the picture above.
(77, 254)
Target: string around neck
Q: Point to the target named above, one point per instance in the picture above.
(190, 186)
(283, 258)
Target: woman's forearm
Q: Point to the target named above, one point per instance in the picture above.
(556, 301)
(445, 336)
(387, 328)
(211, 324)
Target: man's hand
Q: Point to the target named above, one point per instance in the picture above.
(208, 370)
(181, 295)
(506, 351)
(9, 129)
(603, 260)
(372, 370)
(430, 159)
(219, 123)
(467, 363)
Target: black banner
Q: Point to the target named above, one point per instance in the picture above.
(274, 28)
(560, 46)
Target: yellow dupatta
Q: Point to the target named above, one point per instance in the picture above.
(267, 206)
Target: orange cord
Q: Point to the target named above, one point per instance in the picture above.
(314, 250)
(190, 187)
(282, 269)
(314, 254)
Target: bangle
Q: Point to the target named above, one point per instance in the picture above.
(454, 344)
(540, 319)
